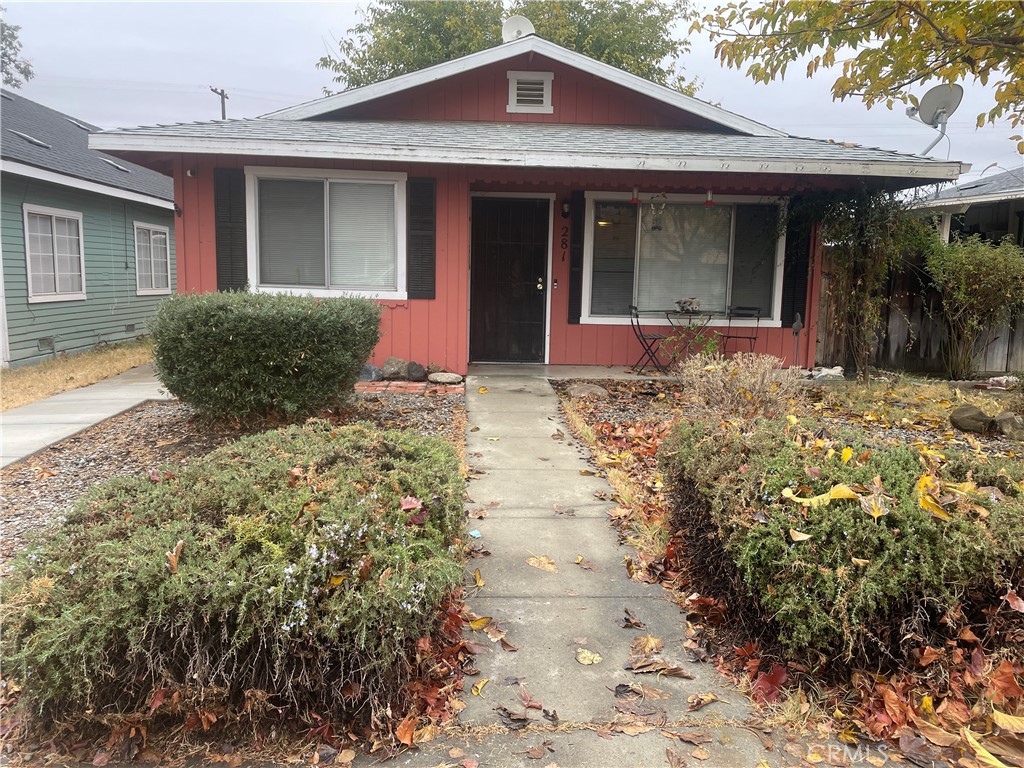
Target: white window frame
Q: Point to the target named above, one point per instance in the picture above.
(513, 107)
(41, 210)
(252, 176)
(139, 290)
(775, 321)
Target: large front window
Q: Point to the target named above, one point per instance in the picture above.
(334, 234)
(655, 253)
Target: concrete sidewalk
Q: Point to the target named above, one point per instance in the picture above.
(30, 428)
(550, 615)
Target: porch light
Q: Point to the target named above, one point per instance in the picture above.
(710, 199)
(565, 209)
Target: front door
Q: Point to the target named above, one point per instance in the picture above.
(508, 285)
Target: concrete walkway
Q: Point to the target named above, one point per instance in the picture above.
(550, 615)
(30, 428)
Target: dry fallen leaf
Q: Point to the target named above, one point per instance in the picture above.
(699, 701)
(543, 562)
(796, 535)
(700, 754)
(478, 686)
(1008, 722)
(482, 390)
(479, 623)
(583, 656)
(478, 579)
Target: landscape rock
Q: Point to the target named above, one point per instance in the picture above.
(370, 372)
(443, 377)
(970, 418)
(1011, 425)
(415, 372)
(584, 389)
(394, 368)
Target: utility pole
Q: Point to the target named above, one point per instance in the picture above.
(223, 101)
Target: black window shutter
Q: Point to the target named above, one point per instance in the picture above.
(229, 218)
(794, 276)
(421, 239)
(578, 206)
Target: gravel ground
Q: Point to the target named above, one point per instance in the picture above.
(37, 490)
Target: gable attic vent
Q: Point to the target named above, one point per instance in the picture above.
(530, 92)
(30, 139)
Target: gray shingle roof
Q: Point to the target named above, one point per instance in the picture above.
(1010, 184)
(67, 149)
(518, 143)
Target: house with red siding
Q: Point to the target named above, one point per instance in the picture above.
(510, 206)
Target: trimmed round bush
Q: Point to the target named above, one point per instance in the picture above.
(860, 579)
(295, 569)
(238, 354)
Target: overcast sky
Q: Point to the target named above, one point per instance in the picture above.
(142, 63)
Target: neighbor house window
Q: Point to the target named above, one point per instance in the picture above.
(54, 254)
(152, 259)
(530, 92)
(652, 255)
(339, 233)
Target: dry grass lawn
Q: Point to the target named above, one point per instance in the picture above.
(30, 383)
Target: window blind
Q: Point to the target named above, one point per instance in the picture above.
(684, 252)
(291, 237)
(362, 245)
(40, 248)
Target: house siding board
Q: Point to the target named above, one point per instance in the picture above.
(109, 238)
(482, 94)
(436, 330)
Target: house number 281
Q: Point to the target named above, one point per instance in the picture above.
(564, 242)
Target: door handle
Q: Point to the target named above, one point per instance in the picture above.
(540, 283)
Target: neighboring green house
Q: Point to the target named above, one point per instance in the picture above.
(87, 238)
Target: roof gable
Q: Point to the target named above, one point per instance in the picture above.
(44, 138)
(531, 44)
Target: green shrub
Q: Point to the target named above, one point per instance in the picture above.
(858, 588)
(305, 568)
(981, 284)
(747, 385)
(239, 354)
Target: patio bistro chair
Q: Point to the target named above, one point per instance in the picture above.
(742, 333)
(649, 341)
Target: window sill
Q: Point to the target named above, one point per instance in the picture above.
(333, 293)
(156, 292)
(52, 297)
(654, 319)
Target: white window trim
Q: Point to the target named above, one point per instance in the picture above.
(252, 176)
(44, 298)
(136, 226)
(547, 108)
(775, 321)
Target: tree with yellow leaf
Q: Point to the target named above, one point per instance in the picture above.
(884, 48)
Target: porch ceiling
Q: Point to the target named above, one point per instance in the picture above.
(539, 145)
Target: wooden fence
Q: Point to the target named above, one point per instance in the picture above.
(913, 330)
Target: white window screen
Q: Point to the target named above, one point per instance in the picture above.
(291, 232)
(611, 287)
(362, 247)
(54, 254)
(152, 259)
(684, 252)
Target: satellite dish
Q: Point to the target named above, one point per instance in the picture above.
(939, 104)
(516, 27)
(935, 109)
